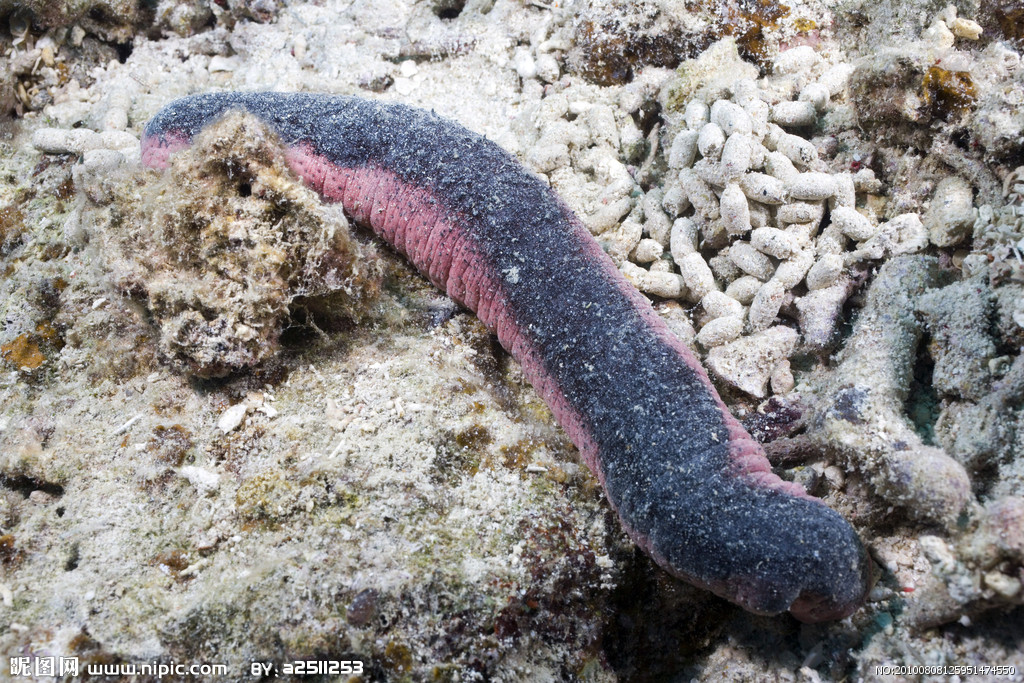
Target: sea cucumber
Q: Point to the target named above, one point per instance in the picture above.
(689, 484)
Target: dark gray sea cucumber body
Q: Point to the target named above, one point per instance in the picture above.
(660, 433)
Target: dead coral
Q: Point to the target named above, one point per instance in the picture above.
(227, 244)
(958, 318)
(752, 23)
(111, 20)
(860, 411)
(981, 435)
(613, 41)
(999, 236)
(1003, 18)
(982, 570)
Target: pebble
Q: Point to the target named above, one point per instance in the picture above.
(966, 28)
(853, 224)
(864, 180)
(763, 188)
(766, 304)
(731, 118)
(751, 261)
(683, 150)
(647, 251)
(683, 239)
(937, 487)
(825, 271)
(710, 141)
(720, 331)
(743, 289)
(939, 35)
(720, 305)
(1005, 586)
(773, 242)
(40, 497)
(220, 63)
(908, 233)
(735, 210)
(794, 114)
(811, 186)
(950, 217)
(232, 417)
(697, 275)
(203, 480)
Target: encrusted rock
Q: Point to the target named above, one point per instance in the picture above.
(747, 363)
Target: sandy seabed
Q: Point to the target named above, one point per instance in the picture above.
(208, 460)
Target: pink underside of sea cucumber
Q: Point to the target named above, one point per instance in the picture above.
(409, 218)
(413, 222)
(156, 153)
